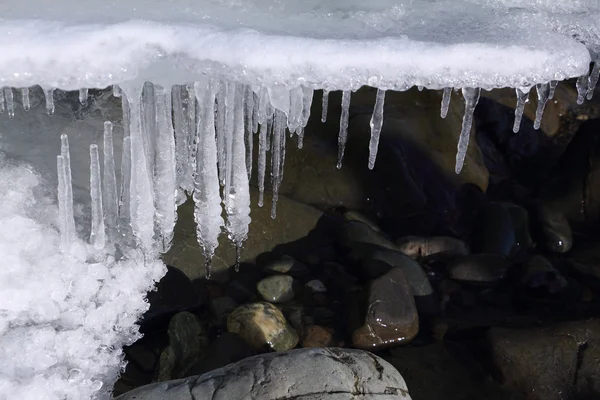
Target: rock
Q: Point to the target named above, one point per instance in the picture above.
(294, 220)
(188, 340)
(556, 230)
(416, 277)
(551, 363)
(294, 313)
(358, 232)
(479, 268)
(392, 317)
(276, 289)
(323, 315)
(226, 349)
(263, 327)
(335, 277)
(416, 247)
(315, 374)
(317, 336)
(520, 221)
(352, 215)
(287, 265)
(494, 232)
(316, 286)
(540, 273)
(221, 307)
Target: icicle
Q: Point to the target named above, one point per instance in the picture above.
(445, 102)
(97, 235)
(324, 105)
(553, 85)
(70, 216)
(471, 96)
(237, 198)
(582, 88)
(255, 105)
(307, 99)
(276, 157)
(141, 198)
(165, 180)
(295, 114)
(10, 102)
(280, 98)
(207, 198)
(522, 97)
(220, 129)
(149, 129)
(25, 100)
(228, 134)
(2, 105)
(62, 204)
(83, 96)
(124, 219)
(543, 91)
(264, 106)
(248, 112)
(300, 133)
(49, 95)
(376, 124)
(262, 161)
(420, 88)
(117, 92)
(109, 182)
(343, 136)
(183, 145)
(593, 80)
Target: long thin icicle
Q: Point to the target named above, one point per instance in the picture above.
(25, 100)
(582, 88)
(165, 179)
(62, 204)
(553, 86)
(522, 97)
(70, 216)
(83, 96)
(49, 96)
(376, 124)
(447, 94)
(124, 219)
(97, 235)
(10, 102)
(471, 96)
(543, 92)
(2, 105)
(296, 105)
(207, 198)
(220, 129)
(237, 200)
(262, 160)
(228, 134)
(109, 182)
(324, 105)
(306, 105)
(183, 145)
(276, 157)
(343, 136)
(593, 80)
(248, 112)
(255, 106)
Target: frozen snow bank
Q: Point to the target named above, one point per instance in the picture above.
(63, 318)
(320, 44)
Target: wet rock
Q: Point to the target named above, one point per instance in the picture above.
(520, 221)
(188, 340)
(391, 317)
(263, 327)
(276, 289)
(539, 273)
(417, 247)
(352, 215)
(358, 232)
(479, 268)
(556, 230)
(287, 265)
(226, 349)
(316, 374)
(317, 336)
(551, 363)
(494, 230)
(221, 307)
(416, 277)
(316, 286)
(294, 313)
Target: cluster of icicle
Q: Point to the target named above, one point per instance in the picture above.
(197, 140)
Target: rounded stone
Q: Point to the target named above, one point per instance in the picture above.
(276, 289)
(263, 327)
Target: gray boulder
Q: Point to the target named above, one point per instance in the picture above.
(316, 374)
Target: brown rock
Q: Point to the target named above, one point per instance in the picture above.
(415, 246)
(392, 317)
(317, 336)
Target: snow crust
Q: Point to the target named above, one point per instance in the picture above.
(330, 44)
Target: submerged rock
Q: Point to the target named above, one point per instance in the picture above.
(416, 246)
(556, 230)
(317, 336)
(276, 289)
(263, 327)
(315, 374)
(287, 265)
(392, 317)
(479, 268)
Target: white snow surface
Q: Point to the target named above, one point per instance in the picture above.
(331, 44)
(63, 318)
